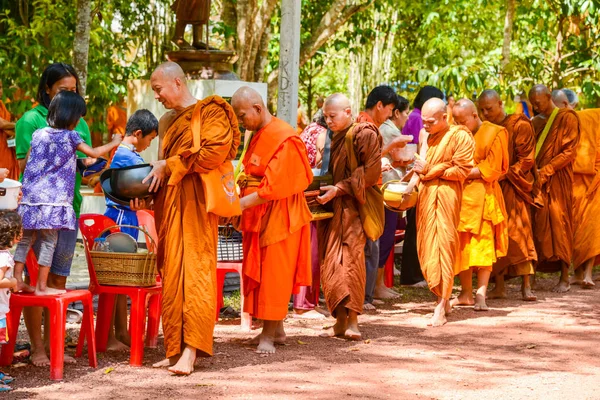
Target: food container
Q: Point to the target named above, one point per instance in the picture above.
(396, 198)
(127, 182)
(9, 194)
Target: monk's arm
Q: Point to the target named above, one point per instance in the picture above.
(6, 125)
(215, 140)
(495, 164)
(569, 147)
(367, 144)
(524, 148)
(459, 167)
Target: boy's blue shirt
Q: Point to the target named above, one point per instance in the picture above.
(125, 156)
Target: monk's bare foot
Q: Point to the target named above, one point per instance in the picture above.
(266, 344)
(115, 345)
(369, 307)
(496, 294)
(49, 292)
(562, 287)
(25, 288)
(587, 284)
(463, 299)
(337, 330)
(439, 315)
(377, 302)
(578, 276)
(528, 294)
(167, 362)
(185, 364)
(39, 358)
(308, 314)
(353, 334)
(279, 339)
(480, 304)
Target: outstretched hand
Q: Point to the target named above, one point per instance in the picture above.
(3, 174)
(330, 194)
(139, 204)
(157, 175)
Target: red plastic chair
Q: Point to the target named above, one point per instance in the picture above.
(389, 264)
(146, 220)
(224, 267)
(57, 307)
(142, 298)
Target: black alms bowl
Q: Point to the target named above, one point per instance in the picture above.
(127, 182)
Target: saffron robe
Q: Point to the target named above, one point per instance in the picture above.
(8, 157)
(276, 234)
(187, 233)
(483, 222)
(553, 223)
(450, 159)
(342, 255)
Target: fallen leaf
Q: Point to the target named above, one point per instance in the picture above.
(108, 370)
(301, 342)
(531, 346)
(354, 349)
(367, 341)
(205, 384)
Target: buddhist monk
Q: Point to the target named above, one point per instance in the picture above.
(559, 98)
(116, 118)
(557, 135)
(187, 233)
(516, 189)
(8, 157)
(586, 200)
(483, 221)
(342, 255)
(444, 163)
(379, 107)
(572, 98)
(275, 216)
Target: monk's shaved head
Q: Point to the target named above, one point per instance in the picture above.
(465, 113)
(434, 116)
(559, 98)
(169, 86)
(250, 108)
(490, 107)
(572, 98)
(541, 100)
(337, 112)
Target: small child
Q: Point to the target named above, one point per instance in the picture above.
(48, 186)
(10, 233)
(141, 129)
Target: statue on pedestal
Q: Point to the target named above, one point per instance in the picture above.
(195, 13)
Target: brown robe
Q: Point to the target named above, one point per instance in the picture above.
(450, 159)
(553, 224)
(342, 256)
(586, 197)
(187, 233)
(8, 157)
(516, 189)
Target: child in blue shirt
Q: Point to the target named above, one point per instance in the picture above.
(141, 129)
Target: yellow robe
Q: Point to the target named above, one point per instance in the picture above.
(483, 221)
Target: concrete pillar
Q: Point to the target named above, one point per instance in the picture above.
(289, 61)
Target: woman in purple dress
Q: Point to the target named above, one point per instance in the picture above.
(48, 185)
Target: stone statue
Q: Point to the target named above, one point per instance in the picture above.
(195, 13)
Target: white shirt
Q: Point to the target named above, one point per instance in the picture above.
(6, 260)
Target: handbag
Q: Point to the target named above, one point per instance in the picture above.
(372, 213)
(219, 191)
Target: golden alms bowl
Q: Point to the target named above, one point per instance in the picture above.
(396, 198)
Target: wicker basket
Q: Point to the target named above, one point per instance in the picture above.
(125, 269)
(229, 245)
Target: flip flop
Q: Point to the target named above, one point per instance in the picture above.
(5, 388)
(4, 378)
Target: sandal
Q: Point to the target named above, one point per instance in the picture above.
(5, 388)
(4, 378)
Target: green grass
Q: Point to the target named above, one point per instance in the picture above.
(233, 300)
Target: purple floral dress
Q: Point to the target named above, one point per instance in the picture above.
(49, 180)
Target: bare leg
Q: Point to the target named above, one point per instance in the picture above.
(439, 315)
(465, 298)
(526, 289)
(352, 331)
(42, 288)
(483, 278)
(167, 362)
(563, 284)
(185, 364)
(33, 322)
(267, 337)
(382, 291)
(118, 326)
(341, 324)
(499, 291)
(21, 286)
(578, 275)
(588, 267)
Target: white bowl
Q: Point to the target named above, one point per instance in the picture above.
(9, 194)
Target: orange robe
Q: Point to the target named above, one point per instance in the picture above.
(553, 223)
(187, 233)
(483, 222)
(516, 189)
(276, 234)
(116, 120)
(342, 255)
(8, 157)
(450, 159)
(586, 179)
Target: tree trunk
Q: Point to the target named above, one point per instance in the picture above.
(508, 24)
(81, 43)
